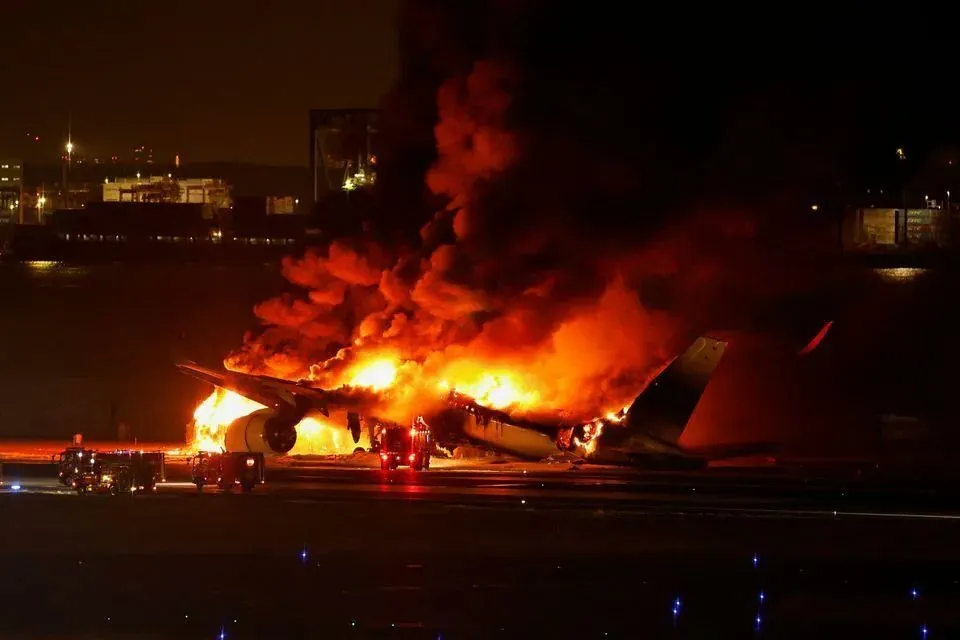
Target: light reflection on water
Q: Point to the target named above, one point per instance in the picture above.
(41, 265)
(53, 269)
(900, 274)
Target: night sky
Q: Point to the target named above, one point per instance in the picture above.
(212, 80)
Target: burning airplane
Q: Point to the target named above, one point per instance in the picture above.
(645, 433)
(262, 414)
(523, 318)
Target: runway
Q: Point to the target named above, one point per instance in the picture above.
(742, 492)
(508, 551)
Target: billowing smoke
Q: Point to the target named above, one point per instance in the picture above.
(567, 258)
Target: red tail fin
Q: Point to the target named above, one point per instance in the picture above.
(817, 339)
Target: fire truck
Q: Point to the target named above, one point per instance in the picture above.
(411, 447)
(227, 470)
(116, 472)
(69, 463)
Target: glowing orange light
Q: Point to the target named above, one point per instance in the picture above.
(498, 391)
(316, 434)
(376, 375)
(214, 414)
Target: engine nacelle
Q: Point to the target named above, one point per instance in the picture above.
(262, 431)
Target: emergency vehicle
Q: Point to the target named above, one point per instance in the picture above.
(116, 472)
(227, 470)
(411, 447)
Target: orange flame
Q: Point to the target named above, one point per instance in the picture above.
(316, 434)
(211, 418)
(497, 391)
(593, 429)
(376, 375)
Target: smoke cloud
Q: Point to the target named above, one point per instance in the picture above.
(566, 252)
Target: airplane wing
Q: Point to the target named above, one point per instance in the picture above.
(194, 370)
(270, 392)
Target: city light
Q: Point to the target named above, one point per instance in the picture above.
(69, 147)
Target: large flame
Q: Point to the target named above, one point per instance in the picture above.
(316, 434)
(494, 390)
(211, 418)
(377, 374)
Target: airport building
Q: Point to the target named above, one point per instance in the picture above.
(343, 149)
(213, 194)
(888, 229)
(11, 190)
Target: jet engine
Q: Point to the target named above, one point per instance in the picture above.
(263, 431)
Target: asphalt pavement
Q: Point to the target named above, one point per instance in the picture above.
(593, 553)
(746, 492)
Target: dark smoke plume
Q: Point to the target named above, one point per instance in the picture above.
(582, 208)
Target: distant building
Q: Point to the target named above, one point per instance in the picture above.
(895, 229)
(11, 190)
(11, 172)
(343, 149)
(212, 193)
(260, 206)
(142, 155)
(281, 205)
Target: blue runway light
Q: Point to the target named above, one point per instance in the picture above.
(914, 594)
(756, 561)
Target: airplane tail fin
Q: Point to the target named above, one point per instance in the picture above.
(664, 407)
(817, 339)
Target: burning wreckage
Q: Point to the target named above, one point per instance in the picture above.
(266, 415)
(505, 325)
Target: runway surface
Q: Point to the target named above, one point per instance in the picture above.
(747, 492)
(499, 551)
